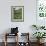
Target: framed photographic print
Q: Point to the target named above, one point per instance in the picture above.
(17, 13)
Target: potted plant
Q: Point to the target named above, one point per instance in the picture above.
(39, 35)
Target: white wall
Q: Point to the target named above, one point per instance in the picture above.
(29, 15)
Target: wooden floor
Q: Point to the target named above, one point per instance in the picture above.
(13, 44)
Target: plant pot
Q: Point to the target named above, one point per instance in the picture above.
(40, 41)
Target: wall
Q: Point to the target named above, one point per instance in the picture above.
(29, 15)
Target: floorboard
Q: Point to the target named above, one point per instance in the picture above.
(13, 44)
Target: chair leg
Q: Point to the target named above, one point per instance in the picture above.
(5, 43)
(17, 41)
(5, 40)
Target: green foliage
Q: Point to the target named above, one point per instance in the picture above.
(34, 25)
(39, 35)
(41, 14)
(18, 13)
(42, 10)
(37, 28)
(42, 27)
